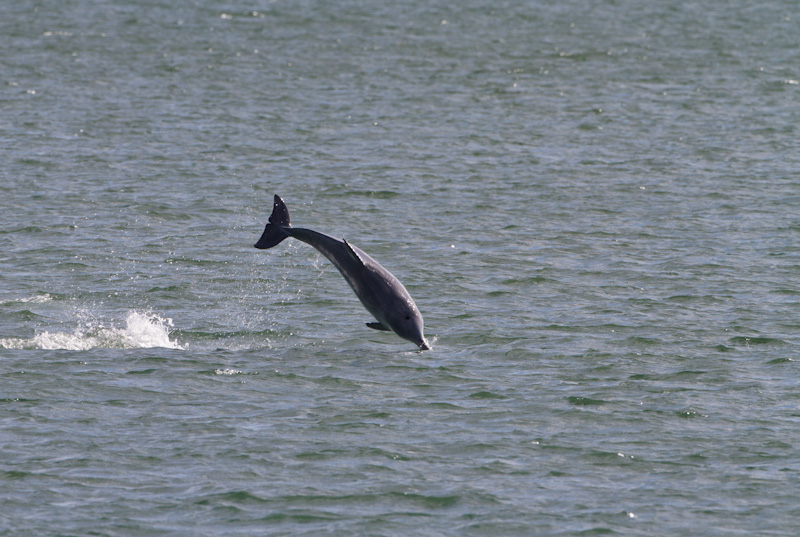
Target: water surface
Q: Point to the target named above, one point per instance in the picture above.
(594, 205)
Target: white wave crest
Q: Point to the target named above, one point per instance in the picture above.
(228, 371)
(37, 299)
(141, 331)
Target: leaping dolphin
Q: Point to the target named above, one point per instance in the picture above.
(378, 290)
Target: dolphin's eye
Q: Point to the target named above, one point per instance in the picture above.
(408, 317)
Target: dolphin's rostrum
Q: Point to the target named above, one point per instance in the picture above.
(381, 293)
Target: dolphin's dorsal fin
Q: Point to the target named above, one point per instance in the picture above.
(379, 326)
(353, 253)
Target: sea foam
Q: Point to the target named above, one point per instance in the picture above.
(141, 331)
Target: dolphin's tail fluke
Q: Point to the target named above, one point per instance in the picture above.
(278, 226)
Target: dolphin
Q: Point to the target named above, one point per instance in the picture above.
(378, 290)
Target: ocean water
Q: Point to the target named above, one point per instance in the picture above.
(596, 206)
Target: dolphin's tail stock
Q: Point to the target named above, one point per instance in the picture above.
(277, 226)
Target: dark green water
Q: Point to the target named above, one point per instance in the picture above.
(594, 204)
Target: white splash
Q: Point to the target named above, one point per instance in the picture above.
(141, 331)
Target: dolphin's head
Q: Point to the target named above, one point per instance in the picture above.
(407, 323)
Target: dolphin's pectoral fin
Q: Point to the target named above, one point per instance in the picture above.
(379, 326)
(353, 253)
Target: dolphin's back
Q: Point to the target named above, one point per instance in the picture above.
(368, 279)
(334, 249)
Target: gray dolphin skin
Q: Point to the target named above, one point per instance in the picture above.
(378, 290)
